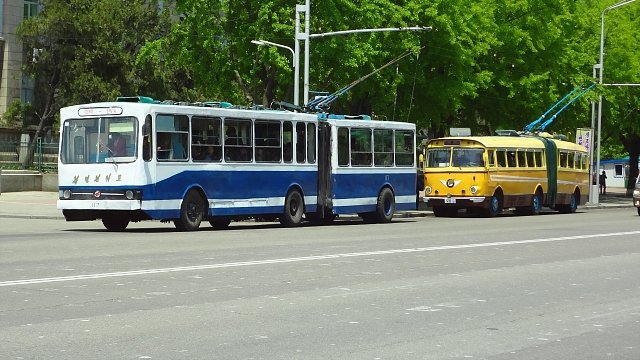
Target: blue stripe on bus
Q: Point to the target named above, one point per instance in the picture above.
(235, 185)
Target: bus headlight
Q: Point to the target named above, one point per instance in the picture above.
(474, 190)
(427, 190)
(66, 194)
(128, 194)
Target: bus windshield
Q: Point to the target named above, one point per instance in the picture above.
(456, 157)
(99, 140)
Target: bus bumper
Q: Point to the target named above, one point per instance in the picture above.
(457, 201)
(99, 204)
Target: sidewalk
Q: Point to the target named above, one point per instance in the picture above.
(42, 204)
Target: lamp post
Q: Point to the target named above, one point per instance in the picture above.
(306, 36)
(601, 72)
(296, 75)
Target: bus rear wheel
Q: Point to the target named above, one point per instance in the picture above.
(293, 209)
(385, 206)
(115, 223)
(192, 212)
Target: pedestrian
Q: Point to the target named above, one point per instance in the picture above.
(603, 183)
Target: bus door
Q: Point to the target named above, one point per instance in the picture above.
(325, 183)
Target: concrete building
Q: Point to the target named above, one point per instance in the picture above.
(13, 85)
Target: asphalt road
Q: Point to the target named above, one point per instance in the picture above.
(534, 287)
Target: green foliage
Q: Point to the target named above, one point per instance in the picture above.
(18, 114)
(486, 64)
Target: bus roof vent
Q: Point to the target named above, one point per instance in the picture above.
(216, 104)
(138, 99)
(460, 132)
(507, 133)
(343, 117)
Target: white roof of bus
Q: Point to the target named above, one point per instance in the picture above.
(73, 112)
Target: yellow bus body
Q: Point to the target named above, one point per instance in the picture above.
(500, 172)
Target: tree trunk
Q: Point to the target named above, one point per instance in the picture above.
(632, 145)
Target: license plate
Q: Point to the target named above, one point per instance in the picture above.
(449, 200)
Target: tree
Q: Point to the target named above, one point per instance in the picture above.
(78, 57)
(621, 106)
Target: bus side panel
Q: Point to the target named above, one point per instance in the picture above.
(230, 192)
(358, 192)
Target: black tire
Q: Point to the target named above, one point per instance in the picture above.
(219, 223)
(385, 206)
(192, 211)
(115, 223)
(293, 209)
(495, 206)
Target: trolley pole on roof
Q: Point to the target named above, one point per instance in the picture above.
(306, 36)
(601, 72)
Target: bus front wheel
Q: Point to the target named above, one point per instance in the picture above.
(293, 209)
(192, 212)
(115, 223)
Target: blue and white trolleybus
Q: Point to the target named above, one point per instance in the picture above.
(138, 159)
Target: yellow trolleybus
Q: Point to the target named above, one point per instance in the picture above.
(486, 174)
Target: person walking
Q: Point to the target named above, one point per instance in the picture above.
(603, 183)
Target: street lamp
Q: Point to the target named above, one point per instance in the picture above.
(601, 68)
(296, 91)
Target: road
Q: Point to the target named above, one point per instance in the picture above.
(534, 287)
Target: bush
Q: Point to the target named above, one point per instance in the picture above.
(17, 114)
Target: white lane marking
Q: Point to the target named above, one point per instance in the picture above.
(304, 258)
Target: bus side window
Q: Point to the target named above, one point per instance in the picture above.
(383, 147)
(501, 157)
(404, 148)
(361, 147)
(287, 141)
(311, 143)
(147, 144)
(511, 158)
(530, 160)
(563, 159)
(571, 160)
(343, 146)
(538, 158)
(522, 161)
(301, 142)
(491, 158)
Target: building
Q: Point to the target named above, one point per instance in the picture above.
(617, 171)
(13, 85)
